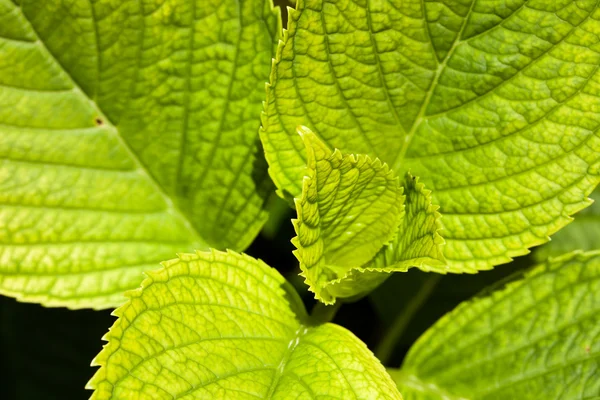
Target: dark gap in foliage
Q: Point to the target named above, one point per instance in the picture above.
(46, 352)
(392, 296)
(283, 5)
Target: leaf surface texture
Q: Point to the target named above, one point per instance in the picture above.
(536, 338)
(224, 325)
(581, 234)
(493, 104)
(355, 224)
(128, 132)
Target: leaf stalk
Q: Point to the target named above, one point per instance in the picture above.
(385, 348)
(322, 313)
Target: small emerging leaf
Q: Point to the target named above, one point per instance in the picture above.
(352, 224)
(535, 339)
(418, 242)
(226, 326)
(350, 207)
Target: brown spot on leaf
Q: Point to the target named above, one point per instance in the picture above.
(99, 121)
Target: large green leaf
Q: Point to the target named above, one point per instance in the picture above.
(581, 234)
(226, 326)
(495, 105)
(128, 132)
(356, 223)
(538, 338)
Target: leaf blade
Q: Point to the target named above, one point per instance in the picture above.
(418, 242)
(496, 136)
(350, 207)
(123, 142)
(260, 316)
(533, 338)
(581, 234)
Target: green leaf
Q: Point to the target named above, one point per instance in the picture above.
(353, 227)
(418, 242)
(128, 132)
(351, 203)
(495, 105)
(350, 207)
(226, 326)
(535, 339)
(581, 234)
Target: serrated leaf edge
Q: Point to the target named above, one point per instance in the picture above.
(100, 360)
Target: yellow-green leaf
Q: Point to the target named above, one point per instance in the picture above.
(581, 234)
(495, 105)
(537, 338)
(352, 227)
(128, 132)
(226, 326)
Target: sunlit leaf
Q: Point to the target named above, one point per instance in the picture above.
(128, 132)
(495, 105)
(537, 338)
(226, 326)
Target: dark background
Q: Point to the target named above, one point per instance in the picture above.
(45, 353)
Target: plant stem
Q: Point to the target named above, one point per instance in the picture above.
(322, 313)
(384, 349)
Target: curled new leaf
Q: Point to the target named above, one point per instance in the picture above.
(226, 326)
(355, 224)
(418, 242)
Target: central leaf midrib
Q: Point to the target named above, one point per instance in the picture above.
(441, 67)
(186, 96)
(279, 371)
(225, 107)
(140, 166)
(397, 164)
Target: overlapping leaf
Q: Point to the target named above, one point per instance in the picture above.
(418, 242)
(223, 325)
(535, 339)
(354, 223)
(128, 132)
(495, 105)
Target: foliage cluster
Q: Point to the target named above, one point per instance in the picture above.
(449, 136)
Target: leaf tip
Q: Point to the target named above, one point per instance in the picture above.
(303, 131)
